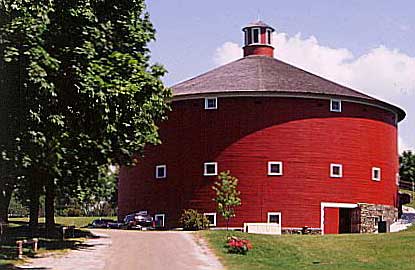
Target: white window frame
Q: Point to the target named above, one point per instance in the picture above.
(374, 169)
(160, 215)
(331, 105)
(270, 163)
(268, 33)
(214, 218)
(332, 165)
(246, 37)
(259, 35)
(269, 214)
(164, 166)
(207, 103)
(205, 172)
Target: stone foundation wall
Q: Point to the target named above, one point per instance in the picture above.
(371, 213)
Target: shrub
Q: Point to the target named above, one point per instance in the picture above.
(72, 212)
(238, 246)
(191, 220)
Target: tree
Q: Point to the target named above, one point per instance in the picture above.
(90, 96)
(407, 168)
(227, 195)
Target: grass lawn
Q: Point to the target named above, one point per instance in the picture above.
(340, 252)
(18, 229)
(66, 221)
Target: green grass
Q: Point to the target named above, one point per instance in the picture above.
(66, 221)
(340, 252)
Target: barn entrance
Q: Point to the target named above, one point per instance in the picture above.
(339, 218)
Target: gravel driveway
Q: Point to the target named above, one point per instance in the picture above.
(119, 249)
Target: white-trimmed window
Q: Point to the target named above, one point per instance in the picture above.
(211, 103)
(336, 170)
(256, 35)
(376, 174)
(161, 171)
(274, 217)
(274, 167)
(268, 36)
(212, 218)
(335, 105)
(160, 220)
(210, 168)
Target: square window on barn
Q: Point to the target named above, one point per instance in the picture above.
(212, 218)
(335, 105)
(161, 171)
(274, 217)
(275, 168)
(376, 174)
(211, 103)
(336, 170)
(210, 168)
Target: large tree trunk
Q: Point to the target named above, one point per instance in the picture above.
(5, 197)
(34, 195)
(50, 208)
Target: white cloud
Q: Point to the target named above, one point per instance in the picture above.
(226, 53)
(384, 73)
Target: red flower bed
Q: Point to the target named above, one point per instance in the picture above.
(238, 246)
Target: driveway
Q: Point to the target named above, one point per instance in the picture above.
(120, 249)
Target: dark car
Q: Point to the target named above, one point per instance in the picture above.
(139, 220)
(101, 223)
(115, 225)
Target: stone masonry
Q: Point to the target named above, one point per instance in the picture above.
(370, 214)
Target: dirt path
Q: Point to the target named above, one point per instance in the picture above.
(119, 249)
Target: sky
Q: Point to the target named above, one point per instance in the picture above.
(367, 45)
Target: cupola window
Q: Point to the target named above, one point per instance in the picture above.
(256, 35)
(269, 32)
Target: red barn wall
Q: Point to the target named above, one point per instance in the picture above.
(242, 135)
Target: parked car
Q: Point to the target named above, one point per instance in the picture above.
(139, 220)
(115, 225)
(100, 223)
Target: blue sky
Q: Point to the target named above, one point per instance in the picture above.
(368, 45)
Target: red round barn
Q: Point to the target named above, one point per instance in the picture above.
(307, 151)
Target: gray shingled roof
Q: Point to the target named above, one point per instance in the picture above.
(267, 74)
